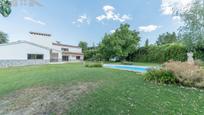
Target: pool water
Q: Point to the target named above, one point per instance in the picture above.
(141, 69)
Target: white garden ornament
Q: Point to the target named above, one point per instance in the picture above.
(190, 58)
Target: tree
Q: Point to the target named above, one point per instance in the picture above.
(167, 38)
(147, 43)
(5, 8)
(92, 54)
(83, 45)
(192, 32)
(3, 37)
(120, 43)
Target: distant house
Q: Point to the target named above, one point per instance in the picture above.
(40, 48)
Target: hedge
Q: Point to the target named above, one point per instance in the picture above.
(160, 54)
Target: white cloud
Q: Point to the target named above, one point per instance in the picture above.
(108, 8)
(169, 6)
(83, 19)
(112, 31)
(167, 10)
(34, 20)
(176, 18)
(148, 28)
(110, 14)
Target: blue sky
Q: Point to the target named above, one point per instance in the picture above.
(71, 21)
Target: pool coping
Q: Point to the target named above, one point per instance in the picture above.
(110, 66)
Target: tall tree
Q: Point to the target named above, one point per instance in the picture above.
(120, 43)
(3, 37)
(5, 8)
(192, 32)
(147, 43)
(83, 45)
(166, 38)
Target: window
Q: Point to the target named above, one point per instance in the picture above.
(65, 49)
(35, 56)
(65, 58)
(78, 57)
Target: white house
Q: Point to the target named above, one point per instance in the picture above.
(40, 48)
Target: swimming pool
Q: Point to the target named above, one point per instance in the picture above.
(133, 68)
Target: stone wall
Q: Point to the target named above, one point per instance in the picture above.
(13, 63)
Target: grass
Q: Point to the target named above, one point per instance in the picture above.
(119, 92)
(138, 63)
(145, 64)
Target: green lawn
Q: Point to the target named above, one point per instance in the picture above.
(145, 64)
(138, 63)
(118, 92)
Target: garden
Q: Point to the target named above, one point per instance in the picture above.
(173, 85)
(76, 89)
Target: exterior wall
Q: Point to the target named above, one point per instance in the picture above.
(71, 49)
(77, 50)
(73, 57)
(47, 41)
(82, 57)
(15, 54)
(59, 55)
(12, 63)
(19, 51)
(42, 40)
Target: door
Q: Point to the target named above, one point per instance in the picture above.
(65, 58)
(54, 57)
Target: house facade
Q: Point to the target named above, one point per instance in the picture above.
(40, 48)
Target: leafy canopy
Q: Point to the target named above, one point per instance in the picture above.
(166, 38)
(192, 32)
(120, 43)
(3, 37)
(83, 45)
(5, 8)
(147, 43)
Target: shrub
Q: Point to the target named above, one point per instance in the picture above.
(160, 76)
(92, 54)
(199, 54)
(92, 65)
(186, 73)
(199, 62)
(127, 63)
(160, 54)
